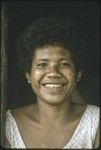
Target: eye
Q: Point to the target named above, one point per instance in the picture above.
(64, 64)
(42, 65)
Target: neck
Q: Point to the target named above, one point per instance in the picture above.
(53, 113)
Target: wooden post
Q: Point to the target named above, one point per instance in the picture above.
(4, 37)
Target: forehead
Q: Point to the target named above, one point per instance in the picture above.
(52, 52)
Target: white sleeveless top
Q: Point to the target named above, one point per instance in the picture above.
(83, 137)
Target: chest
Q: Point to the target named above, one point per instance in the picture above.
(47, 137)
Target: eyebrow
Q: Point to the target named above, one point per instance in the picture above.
(60, 59)
(42, 59)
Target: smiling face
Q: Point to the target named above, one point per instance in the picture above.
(53, 74)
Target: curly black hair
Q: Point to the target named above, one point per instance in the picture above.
(51, 31)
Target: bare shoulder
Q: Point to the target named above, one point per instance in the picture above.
(23, 112)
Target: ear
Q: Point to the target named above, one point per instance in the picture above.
(79, 75)
(28, 77)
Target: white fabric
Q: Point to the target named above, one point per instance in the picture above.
(82, 138)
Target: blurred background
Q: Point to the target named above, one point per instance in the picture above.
(20, 14)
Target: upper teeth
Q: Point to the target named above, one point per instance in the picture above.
(53, 85)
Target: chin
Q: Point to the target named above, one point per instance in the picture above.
(54, 100)
(54, 97)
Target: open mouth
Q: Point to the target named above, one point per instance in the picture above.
(54, 86)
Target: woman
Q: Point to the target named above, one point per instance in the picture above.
(51, 55)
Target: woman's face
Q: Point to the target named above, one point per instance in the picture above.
(53, 75)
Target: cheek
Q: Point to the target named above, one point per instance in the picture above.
(36, 76)
(35, 79)
(71, 75)
(72, 78)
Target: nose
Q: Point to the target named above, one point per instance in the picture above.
(53, 72)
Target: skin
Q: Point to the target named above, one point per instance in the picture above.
(53, 78)
(53, 65)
